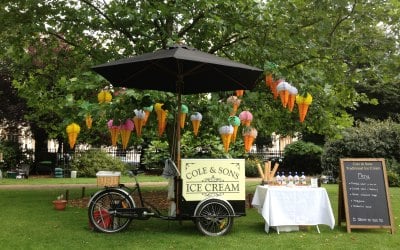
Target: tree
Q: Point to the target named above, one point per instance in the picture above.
(326, 48)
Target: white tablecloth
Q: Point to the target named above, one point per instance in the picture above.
(288, 206)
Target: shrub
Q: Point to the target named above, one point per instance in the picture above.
(251, 168)
(302, 156)
(370, 139)
(90, 162)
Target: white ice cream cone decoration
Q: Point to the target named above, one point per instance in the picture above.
(226, 136)
(249, 135)
(139, 121)
(235, 102)
(283, 91)
(196, 120)
(292, 97)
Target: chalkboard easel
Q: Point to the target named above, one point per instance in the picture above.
(364, 194)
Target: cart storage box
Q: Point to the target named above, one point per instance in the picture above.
(108, 178)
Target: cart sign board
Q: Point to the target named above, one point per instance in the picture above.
(365, 195)
(204, 178)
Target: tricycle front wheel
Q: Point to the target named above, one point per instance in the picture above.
(214, 217)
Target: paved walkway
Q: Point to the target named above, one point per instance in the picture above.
(46, 186)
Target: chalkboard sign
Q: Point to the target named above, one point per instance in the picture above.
(364, 194)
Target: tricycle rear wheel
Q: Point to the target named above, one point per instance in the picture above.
(102, 216)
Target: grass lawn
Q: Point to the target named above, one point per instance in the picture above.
(29, 222)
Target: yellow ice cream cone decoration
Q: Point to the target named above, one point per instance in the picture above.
(104, 96)
(303, 103)
(88, 121)
(73, 130)
(226, 135)
(196, 120)
(161, 117)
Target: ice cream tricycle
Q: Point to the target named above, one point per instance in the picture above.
(210, 192)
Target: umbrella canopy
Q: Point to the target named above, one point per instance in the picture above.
(179, 69)
(182, 70)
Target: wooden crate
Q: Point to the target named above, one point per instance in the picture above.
(108, 178)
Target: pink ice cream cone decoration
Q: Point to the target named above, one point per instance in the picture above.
(126, 130)
(196, 120)
(114, 131)
(226, 136)
(246, 117)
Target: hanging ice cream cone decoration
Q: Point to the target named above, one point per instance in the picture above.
(303, 103)
(161, 117)
(73, 130)
(235, 102)
(182, 115)
(139, 121)
(234, 121)
(196, 120)
(292, 98)
(273, 88)
(226, 135)
(249, 135)
(245, 117)
(239, 92)
(104, 96)
(88, 121)
(147, 111)
(126, 130)
(114, 131)
(283, 91)
(269, 80)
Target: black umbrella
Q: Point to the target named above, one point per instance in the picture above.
(182, 70)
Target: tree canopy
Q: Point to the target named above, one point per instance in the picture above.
(344, 53)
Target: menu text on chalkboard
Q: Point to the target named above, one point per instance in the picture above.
(365, 193)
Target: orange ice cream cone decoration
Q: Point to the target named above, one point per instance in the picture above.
(139, 121)
(196, 120)
(239, 93)
(114, 131)
(73, 130)
(249, 135)
(245, 117)
(269, 80)
(303, 103)
(292, 98)
(226, 135)
(126, 130)
(235, 102)
(88, 121)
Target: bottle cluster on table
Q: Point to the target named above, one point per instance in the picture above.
(290, 179)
